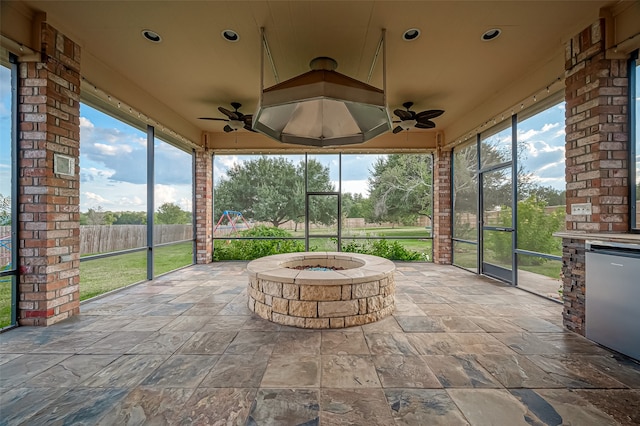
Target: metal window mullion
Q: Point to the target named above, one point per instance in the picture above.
(633, 128)
(514, 199)
(150, 198)
(14, 187)
(479, 206)
(339, 248)
(193, 208)
(538, 254)
(306, 203)
(213, 205)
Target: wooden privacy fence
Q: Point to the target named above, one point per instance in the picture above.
(106, 238)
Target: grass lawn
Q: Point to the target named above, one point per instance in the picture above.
(5, 301)
(550, 268)
(103, 275)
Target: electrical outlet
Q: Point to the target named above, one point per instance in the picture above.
(581, 209)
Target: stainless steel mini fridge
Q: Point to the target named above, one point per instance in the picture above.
(612, 298)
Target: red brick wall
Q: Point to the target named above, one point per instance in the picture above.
(597, 134)
(204, 206)
(442, 243)
(49, 222)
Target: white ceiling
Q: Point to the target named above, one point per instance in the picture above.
(193, 70)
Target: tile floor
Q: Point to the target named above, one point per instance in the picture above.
(184, 349)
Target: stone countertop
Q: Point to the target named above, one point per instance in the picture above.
(619, 238)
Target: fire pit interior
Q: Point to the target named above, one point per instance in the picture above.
(321, 289)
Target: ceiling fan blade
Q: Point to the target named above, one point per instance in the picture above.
(403, 115)
(429, 114)
(212, 118)
(248, 119)
(248, 127)
(425, 124)
(227, 129)
(230, 114)
(398, 129)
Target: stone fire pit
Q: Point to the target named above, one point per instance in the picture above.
(354, 289)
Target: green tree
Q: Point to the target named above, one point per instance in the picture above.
(548, 194)
(5, 210)
(535, 231)
(356, 205)
(271, 189)
(97, 216)
(170, 213)
(400, 188)
(130, 218)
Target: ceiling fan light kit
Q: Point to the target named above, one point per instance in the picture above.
(322, 108)
(420, 120)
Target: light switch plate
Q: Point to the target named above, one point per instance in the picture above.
(581, 209)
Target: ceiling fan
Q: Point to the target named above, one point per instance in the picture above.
(421, 120)
(235, 120)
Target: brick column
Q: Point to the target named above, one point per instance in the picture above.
(442, 243)
(204, 206)
(49, 222)
(597, 134)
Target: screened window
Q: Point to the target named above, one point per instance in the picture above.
(115, 211)
(379, 204)
(465, 207)
(173, 217)
(8, 191)
(541, 198)
(113, 202)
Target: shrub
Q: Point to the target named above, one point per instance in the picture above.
(254, 249)
(383, 248)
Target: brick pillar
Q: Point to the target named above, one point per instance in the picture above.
(204, 206)
(597, 133)
(49, 222)
(442, 243)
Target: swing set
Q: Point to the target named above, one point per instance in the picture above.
(232, 217)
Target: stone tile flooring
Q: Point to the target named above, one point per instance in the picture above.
(184, 349)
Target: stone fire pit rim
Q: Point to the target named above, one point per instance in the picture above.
(270, 268)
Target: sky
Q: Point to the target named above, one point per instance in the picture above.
(542, 153)
(113, 159)
(355, 168)
(113, 172)
(5, 131)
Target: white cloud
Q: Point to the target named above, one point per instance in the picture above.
(85, 123)
(91, 173)
(113, 149)
(228, 161)
(525, 136)
(95, 197)
(549, 126)
(164, 194)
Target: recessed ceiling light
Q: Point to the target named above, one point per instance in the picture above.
(230, 35)
(491, 34)
(152, 36)
(411, 34)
